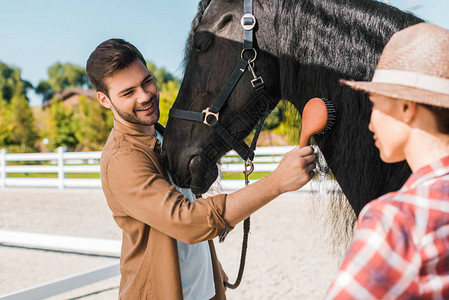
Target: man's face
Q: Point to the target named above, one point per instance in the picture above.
(133, 95)
(390, 134)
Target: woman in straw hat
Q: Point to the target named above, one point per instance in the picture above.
(400, 249)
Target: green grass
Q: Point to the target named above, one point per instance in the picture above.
(226, 176)
(239, 175)
(53, 175)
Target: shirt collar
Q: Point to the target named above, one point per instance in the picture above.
(435, 169)
(138, 131)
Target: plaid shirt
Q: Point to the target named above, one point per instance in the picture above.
(400, 249)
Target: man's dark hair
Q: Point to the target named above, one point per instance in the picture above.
(107, 59)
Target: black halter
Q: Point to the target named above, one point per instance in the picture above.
(210, 115)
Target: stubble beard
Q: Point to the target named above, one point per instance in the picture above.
(135, 119)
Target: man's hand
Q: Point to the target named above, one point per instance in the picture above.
(295, 169)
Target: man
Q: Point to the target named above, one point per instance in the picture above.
(400, 249)
(167, 252)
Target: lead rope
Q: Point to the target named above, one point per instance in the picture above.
(249, 168)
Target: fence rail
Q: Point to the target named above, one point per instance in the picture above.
(62, 163)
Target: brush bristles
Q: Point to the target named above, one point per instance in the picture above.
(331, 113)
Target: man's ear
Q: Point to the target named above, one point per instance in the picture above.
(408, 110)
(104, 100)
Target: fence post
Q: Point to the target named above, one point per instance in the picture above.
(61, 174)
(3, 164)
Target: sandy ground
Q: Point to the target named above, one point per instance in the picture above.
(287, 258)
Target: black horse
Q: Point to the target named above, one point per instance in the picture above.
(304, 47)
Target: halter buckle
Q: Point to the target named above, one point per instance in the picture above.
(249, 168)
(248, 21)
(208, 113)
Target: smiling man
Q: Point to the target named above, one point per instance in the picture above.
(138, 84)
(167, 250)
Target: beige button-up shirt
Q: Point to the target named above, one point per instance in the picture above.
(153, 215)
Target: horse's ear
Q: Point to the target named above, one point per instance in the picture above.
(225, 20)
(104, 100)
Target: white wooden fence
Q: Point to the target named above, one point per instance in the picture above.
(61, 163)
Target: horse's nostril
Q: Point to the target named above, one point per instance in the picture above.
(196, 165)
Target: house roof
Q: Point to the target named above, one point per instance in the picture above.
(68, 93)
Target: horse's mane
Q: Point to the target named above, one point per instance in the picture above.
(327, 41)
(370, 17)
(344, 37)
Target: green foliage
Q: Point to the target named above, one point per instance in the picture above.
(17, 125)
(167, 97)
(11, 82)
(284, 120)
(60, 77)
(160, 74)
(59, 127)
(290, 126)
(45, 90)
(274, 119)
(85, 127)
(23, 134)
(5, 128)
(92, 124)
(168, 90)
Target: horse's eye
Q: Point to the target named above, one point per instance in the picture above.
(202, 41)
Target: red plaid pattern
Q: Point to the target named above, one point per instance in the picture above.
(400, 249)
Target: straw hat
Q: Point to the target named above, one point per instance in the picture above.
(414, 66)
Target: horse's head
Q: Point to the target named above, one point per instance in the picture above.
(213, 51)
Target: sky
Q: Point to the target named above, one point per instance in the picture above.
(35, 34)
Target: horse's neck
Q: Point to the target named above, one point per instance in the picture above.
(321, 42)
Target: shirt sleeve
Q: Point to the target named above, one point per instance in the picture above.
(382, 261)
(144, 194)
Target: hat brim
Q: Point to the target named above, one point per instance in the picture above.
(400, 92)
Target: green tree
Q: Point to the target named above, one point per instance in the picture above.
(23, 134)
(92, 124)
(60, 77)
(11, 82)
(290, 125)
(5, 124)
(167, 97)
(160, 74)
(168, 90)
(17, 124)
(274, 119)
(59, 127)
